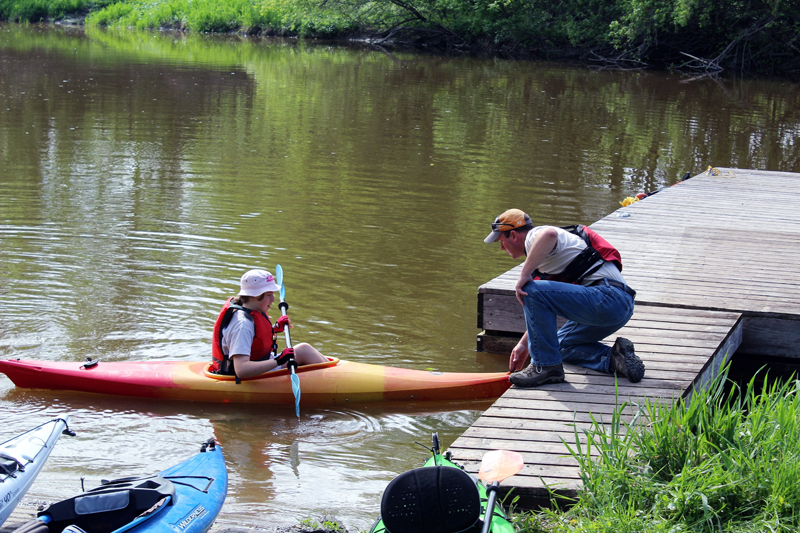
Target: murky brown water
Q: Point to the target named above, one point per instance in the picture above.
(142, 173)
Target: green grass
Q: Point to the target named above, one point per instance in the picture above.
(722, 463)
(273, 16)
(283, 17)
(37, 10)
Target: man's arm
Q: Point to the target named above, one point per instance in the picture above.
(544, 243)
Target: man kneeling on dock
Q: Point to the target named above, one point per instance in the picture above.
(574, 273)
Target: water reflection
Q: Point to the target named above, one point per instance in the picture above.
(281, 469)
(142, 173)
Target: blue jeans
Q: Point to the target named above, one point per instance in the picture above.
(592, 314)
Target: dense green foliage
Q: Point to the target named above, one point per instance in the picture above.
(720, 463)
(38, 10)
(706, 35)
(273, 16)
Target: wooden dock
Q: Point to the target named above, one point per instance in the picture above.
(714, 262)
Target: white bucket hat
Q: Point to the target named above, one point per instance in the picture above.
(257, 282)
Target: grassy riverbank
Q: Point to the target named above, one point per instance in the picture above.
(754, 36)
(724, 463)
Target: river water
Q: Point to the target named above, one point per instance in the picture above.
(142, 173)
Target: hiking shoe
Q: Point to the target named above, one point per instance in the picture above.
(625, 361)
(533, 376)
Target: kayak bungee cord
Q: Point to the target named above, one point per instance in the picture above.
(291, 364)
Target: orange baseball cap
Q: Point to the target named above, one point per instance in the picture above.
(508, 220)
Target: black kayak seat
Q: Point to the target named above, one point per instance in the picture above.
(431, 499)
(109, 506)
(33, 526)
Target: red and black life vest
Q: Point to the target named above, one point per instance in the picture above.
(264, 340)
(598, 251)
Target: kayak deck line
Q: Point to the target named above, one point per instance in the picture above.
(335, 382)
(699, 300)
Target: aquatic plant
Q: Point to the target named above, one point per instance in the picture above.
(326, 523)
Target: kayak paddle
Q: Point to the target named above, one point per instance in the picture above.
(283, 306)
(496, 466)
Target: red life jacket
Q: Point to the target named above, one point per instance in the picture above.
(264, 340)
(597, 252)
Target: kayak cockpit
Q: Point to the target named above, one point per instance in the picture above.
(107, 508)
(332, 361)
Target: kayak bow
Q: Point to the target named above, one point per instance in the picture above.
(21, 459)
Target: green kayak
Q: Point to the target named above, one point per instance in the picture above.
(441, 497)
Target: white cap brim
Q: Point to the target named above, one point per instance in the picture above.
(492, 237)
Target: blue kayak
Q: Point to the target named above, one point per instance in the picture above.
(21, 459)
(185, 498)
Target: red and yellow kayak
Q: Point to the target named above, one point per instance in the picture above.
(334, 382)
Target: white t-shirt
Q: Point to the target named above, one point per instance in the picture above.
(568, 246)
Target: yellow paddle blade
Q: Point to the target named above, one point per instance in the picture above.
(498, 465)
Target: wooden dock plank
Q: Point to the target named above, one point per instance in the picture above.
(538, 422)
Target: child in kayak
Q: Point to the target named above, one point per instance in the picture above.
(245, 340)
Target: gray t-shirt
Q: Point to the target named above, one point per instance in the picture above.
(568, 246)
(237, 336)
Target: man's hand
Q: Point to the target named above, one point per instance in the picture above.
(519, 288)
(518, 356)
